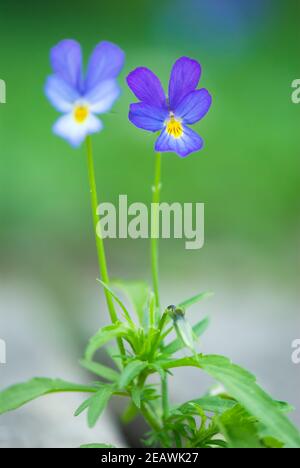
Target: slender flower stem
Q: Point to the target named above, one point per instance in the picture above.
(99, 239)
(165, 396)
(155, 227)
(154, 258)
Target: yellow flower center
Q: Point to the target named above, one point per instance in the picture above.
(81, 113)
(174, 127)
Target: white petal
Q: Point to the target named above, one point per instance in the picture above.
(74, 132)
(102, 97)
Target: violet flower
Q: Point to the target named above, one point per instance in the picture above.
(185, 106)
(79, 98)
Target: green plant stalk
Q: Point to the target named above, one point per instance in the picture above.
(99, 240)
(165, 396)
(155, 227)
(154, 262)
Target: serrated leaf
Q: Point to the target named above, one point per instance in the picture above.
(100, 370)
(97, 404)
(193, 300)
(177, 345)
(138, 292)
(132, 370)
(103, 336)
(19, 394)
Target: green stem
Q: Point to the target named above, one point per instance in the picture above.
(99, 239)
(155, 227)
(165, 396)
(149, 417)
(154, 258)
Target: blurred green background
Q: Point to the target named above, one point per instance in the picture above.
(248, 173)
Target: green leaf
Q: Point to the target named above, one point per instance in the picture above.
(271, 442)
(177, 344)
(83, 406)
(19, 394)
(130, 413)
(185, 333)
(242, 385)
(100, 370)
(239, 428)
(95, 446)
(132, 370)
(98, 403)
(195, 299)
(138, 293)
(136, 395)
(285, 407)
(103, 336)
(212, 404)
(125, 311)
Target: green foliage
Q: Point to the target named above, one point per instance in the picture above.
(241, 416)
(138, 293)
(17, 395)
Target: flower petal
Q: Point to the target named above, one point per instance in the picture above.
(66, 61)
(106, 62)
(74, 132)
(189, 142)
(102, 97)
(147, 87)
(185, 76)
(194, 106)
(60, 94)
(147, 117)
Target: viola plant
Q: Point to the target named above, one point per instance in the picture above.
(240, 413)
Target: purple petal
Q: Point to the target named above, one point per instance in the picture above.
(194, 106)
(66, 61)
(61, 95)
(106, 62)
(147, 87)
(102, 97)
(147, 117)
(184, 78)
(189, 142)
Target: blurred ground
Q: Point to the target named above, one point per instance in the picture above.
(39, 345)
